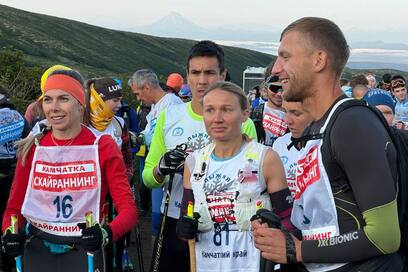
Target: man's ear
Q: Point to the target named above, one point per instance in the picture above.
(224, 74)
(320, 60)
(245, 115)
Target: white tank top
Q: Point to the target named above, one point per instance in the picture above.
(64, 184)
(226, 187)
(314, 211)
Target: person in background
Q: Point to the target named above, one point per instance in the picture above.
(185, 93)
(257, 99)
(383, 101)
(385, 82)
(145, 85)
(175, 81)
(359, 91)
(288, 146)
(13, 127)
(345, 87)
(399, 91)
(372, 82)
(105, 96)
(269, 117)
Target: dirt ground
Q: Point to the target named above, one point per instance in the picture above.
(146, 244)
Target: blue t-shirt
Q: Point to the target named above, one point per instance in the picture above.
(401, 111)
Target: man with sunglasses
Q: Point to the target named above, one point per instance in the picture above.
(399, 91)
(269, 117)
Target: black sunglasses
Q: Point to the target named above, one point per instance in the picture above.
(274, 88)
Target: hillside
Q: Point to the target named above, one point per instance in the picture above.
(96, 51)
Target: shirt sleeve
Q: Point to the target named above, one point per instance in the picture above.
(17, 192)
(114, 174)
(248, 128)
(157, 149)
(126, 151)
(362, 147)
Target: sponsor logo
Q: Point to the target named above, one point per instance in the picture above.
(56, 227)
(307, 171)
(114, 88)
(274, 125)
(338, 239)
(178, 131)
(317, 236)
(197, 141)
(66, 176)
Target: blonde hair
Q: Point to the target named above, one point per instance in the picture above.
(231, 88)
(24, 145)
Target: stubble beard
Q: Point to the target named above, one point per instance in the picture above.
(297, 92)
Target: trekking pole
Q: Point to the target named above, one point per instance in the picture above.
(89, 223)
(159, 241)
(273, 221)
(137, 234)
(14, 230)
(139, 248)
(191, 242)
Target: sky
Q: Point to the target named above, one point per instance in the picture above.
(377, 16)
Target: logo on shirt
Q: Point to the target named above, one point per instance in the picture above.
(65, 176)
(197, 141)
(178, 131)
(220, 194)
(274, 125)
(307, 171)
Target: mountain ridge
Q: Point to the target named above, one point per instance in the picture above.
(98, 51)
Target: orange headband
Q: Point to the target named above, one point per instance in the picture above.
(67, 84)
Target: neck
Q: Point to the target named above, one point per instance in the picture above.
(67, 134)
(273, 106)
(197, 107)
(322, 99)
(225, 149)
(157, 95)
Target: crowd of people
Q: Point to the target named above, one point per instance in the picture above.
(305, 175)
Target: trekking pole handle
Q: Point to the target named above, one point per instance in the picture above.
(89, 223)
(14, 230)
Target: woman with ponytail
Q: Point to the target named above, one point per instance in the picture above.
(62, 174)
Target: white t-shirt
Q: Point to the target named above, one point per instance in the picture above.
(164, 102)
(273, 123)
(289, 159)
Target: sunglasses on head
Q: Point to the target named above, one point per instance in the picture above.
(397, 83)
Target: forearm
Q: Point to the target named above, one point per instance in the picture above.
(127, 154)
(150, 176)
(123, 200)
(380, 235)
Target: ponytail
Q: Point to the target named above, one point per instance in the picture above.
(24, 145)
